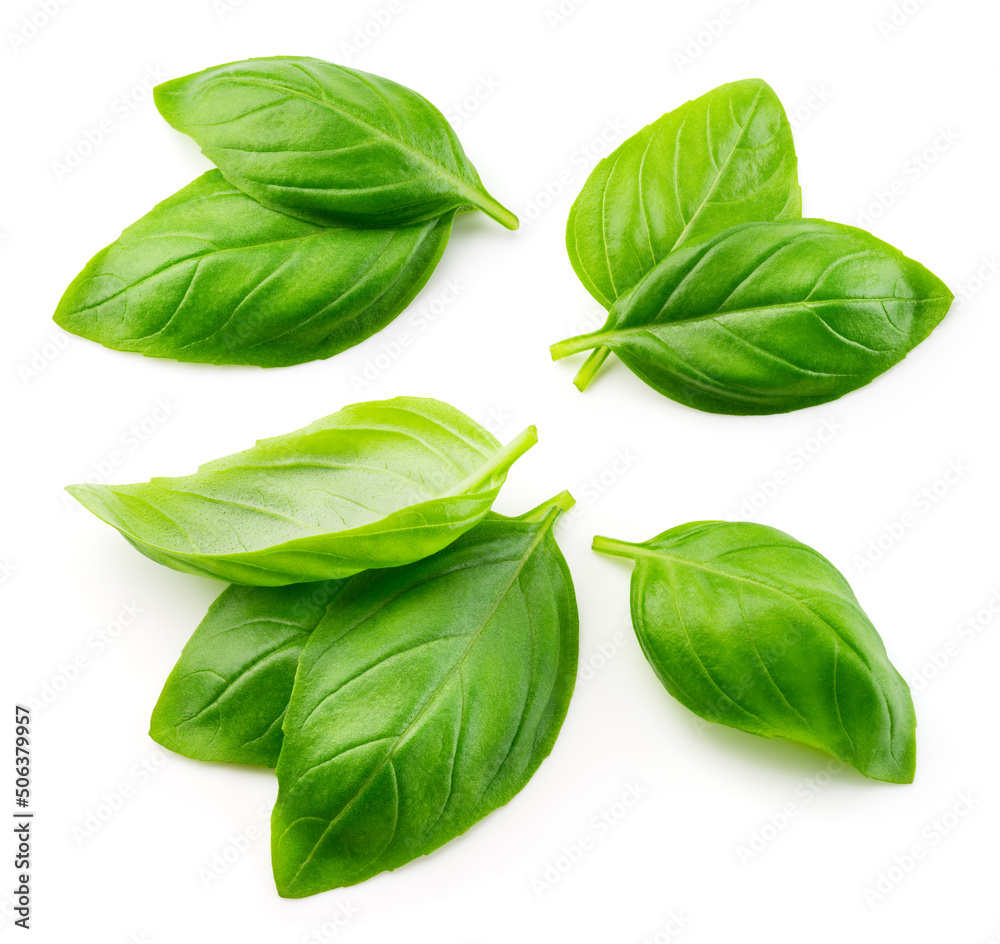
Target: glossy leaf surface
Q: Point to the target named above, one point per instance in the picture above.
(325, 142)
(750, 628)
(771, 317)
(425, 699)
(226, 697)
(721, 159)
(211, 276)
(378, 484)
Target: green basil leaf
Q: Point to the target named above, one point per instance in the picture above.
(378, 484)
(719, 160)
(424, 700)
(750, 628)
(771, 317)
(325, 142)
(211, 276)
(226, 697)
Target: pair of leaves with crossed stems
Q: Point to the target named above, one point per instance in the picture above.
(719, 296)
(332, 203)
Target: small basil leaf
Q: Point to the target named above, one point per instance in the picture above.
(378, 484)
(226, 697)
(719, 160)
(771, 317)
(325, 142)
(211, 276)
(750, 628)
(425, 699)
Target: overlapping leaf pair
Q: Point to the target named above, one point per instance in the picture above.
(719, 296)
(401, 704)
(331, 206)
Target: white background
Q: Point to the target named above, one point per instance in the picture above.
(541, 92)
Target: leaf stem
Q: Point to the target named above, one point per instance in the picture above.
(590, 368)
(494, 209)
(502, 460)
(563, 502)
(561, 349)
(615, 548)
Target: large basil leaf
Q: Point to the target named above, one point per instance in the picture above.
(325, 142)
(378, 484)
(748, 627)
(719, 160)
(771, 317)
(226, 697)
(211, 276)
(424, 700)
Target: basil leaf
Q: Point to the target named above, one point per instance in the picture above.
(226, 697)
(771, 317)
(750, 628)
(211, 276)
(376, 485)
(425, 699)
(325, 142)
(719, 160)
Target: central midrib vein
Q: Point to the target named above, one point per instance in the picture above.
(660, 555)
(712, 315)
(543, 531)
(460, 184)
(722, 169)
